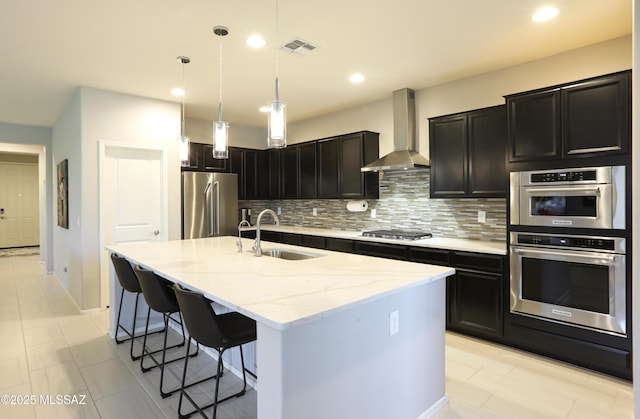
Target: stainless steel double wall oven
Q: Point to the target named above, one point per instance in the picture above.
(559, 275)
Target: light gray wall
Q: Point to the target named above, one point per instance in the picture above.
(32, 139)
(92, 116)
(68, 249)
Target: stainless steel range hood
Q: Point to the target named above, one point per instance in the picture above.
(404, 155)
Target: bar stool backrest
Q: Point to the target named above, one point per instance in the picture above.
(125, 274)
(157, 292)
(200, 318)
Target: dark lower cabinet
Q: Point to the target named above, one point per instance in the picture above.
(475, 302)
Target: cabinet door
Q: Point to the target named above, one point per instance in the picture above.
(274, 173)
(487, 138)
(289, 163)
(236, 165)
(328, 163)
(448, 150)
(251, 173)
(595, 116)
(263, 174)
(352, 179)
(209, 164)
(476, 302)
(307, 170)
(534, 126)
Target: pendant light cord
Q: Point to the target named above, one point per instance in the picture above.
(220, 104)
(184, 93)
(277, 48)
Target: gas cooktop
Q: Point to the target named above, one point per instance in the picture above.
(397, 234)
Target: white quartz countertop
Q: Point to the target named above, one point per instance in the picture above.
(467, 245)
(276, 292)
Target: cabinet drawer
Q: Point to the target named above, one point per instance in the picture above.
(290, 238)
(271, 236)
(316, 242)
(478, 261)
(431, 256)
(388, 251)
(340, 245)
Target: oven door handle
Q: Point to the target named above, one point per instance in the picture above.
(576, 190)
(602, 259)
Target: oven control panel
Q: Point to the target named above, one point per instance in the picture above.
(580, 242)
(568, 176)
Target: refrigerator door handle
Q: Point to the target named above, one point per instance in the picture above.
(208, 209)
(215, 206)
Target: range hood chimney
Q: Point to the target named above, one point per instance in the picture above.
(404, 155)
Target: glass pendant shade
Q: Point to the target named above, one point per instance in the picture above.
(220, 140)
(183, 150)
(277, 134)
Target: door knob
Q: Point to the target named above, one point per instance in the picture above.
(156, 232)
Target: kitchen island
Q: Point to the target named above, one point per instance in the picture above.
(339, 335)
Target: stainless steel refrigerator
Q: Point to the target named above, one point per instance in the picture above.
(209, 204)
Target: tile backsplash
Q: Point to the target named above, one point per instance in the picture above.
(404, 203)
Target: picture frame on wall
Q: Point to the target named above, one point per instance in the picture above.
(63, 194)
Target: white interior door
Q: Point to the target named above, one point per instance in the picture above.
(19, 205)
(133, 200)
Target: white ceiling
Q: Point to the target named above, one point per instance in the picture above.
(49, 47)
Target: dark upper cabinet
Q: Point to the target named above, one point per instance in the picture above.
(274, 163)
(307, 170)
(237, 166)
(209, 164)
(328, 163)
(487, 129)
(339, 162)
(468, 154)
(596, 116)
(195, 157)
(201, 159)
(289, 172)
(448, 152)
(534, 126)
(298, 171)
(582, 119)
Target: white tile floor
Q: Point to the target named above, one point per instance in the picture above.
(48, 348)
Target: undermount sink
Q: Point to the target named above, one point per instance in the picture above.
(288, 254)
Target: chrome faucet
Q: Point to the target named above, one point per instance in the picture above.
(256, 246)
(239, 242)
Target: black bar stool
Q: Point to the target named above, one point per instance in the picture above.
(217, 331)
(159, 295)
(128, 282)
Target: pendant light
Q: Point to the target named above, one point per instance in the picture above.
(220, 127)
(183, 141)
(277, 124)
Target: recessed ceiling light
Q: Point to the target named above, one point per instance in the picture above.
(264, 109)
(544, 14)
(256, 41)
(177, 91)
(356, 78)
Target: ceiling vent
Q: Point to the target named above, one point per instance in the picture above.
(298, 46)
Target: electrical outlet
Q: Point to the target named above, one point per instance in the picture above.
(315, 212)
(482, 216)
(279, 211)
(394, 322)
(374, 213)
